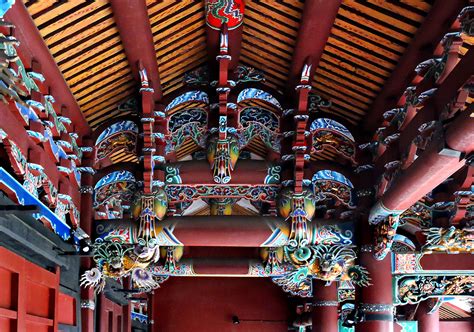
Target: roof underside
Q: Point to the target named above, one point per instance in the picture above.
(366, 41)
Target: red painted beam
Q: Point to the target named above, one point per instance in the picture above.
(447, 262)
(436, 24)
(246, 172)
(316, 23)
(229, 231)
(429, 170)
(131, 17)
(34, 47)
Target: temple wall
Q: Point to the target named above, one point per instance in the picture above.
(208, 304)
(456, 326)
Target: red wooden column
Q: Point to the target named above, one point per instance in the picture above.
(375, 301)
(324, 307)
(87, 294)
(126, 318)
(428, 319)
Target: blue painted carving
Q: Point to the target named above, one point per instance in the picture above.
(190, 123)
(119, 184)
(190, 96)
(252, 93)
(327, 133)
(118, 136)
(327, 183)
(12, 187)
(260, 122)
(324, 123)
(332, 176)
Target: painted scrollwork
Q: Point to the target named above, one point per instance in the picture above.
(189, 123)
(222, 155)
(149, 209)
(325, 262)
(449, 240)
(331, 134)
(328, 183)
(262, 123)
(412, 289)
(121, 136)
(385, 232)
(115, 260)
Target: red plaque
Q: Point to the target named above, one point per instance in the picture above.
(224, 11)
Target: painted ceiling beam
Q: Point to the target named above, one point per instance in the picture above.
(431, 112)
(316, 23)
(35, 48)
(434, 27)
(442, 158)
(131, 17)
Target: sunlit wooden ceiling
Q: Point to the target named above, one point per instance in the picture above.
(84, 41)
(365, 44)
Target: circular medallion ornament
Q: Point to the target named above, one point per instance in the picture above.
(219, 12)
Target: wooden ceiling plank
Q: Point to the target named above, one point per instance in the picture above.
(67, 38)
(56, 11)
(89, 69)
(361, 8)
(84, 60)
(278, 6)
(95, 109)
(373, 25)
(90, 42)
(192, 38)
(89, 23)
(267, 55)
(79, 15)
(362, 43)
(265, 17)
(339, 91)
(366, 55)
(191, 27)
(352, 76)
(264, 45)
(89, 86)
(397, 10)
(421, 5)
(261, 64)
(369, 35)
(270, 32)
(34, 7)
(357, 60)
(344, 82)
(190, 47)
(340, 84)
(95, 70)
(183, 60)
(268, 39)
(106, 91)
(350, 110)
(157, 13)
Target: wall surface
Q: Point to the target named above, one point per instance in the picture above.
(207, 304)
(456, 326)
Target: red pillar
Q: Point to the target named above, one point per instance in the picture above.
(427, 322)
(325, 318)
(88, 301)
(126, 318)
(375, 301)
